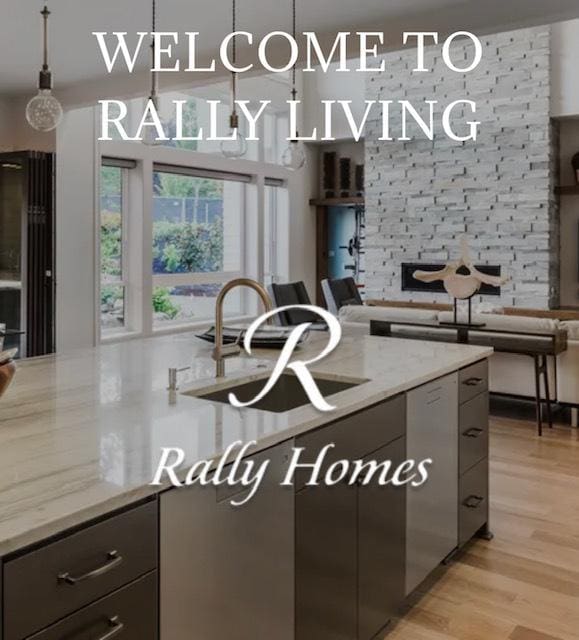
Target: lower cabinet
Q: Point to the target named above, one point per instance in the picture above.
(326, 563)
(225, 571)
(350, 540)
(295, 563)
(381, 547)
(130, 614)
(350, 555)
(99, 581)
(474, 505)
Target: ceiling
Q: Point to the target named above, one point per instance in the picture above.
(76, 61)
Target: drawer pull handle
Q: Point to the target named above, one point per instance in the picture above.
(473, 382)
(113, 560)
(473, 502)
(473, 433)
(117, 627)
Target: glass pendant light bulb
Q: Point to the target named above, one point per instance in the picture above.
(294, 157)
(44, 111)
(236, 147)
(150, 135)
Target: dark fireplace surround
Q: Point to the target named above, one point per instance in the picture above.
(409, 283)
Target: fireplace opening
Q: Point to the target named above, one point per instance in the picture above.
(409, 283)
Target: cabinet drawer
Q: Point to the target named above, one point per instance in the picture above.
(473, 380)
(474, 431)
(51, 582)
(354, 436)
(473, 503)
(128, 614)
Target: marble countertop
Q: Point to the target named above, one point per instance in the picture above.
(81, 433)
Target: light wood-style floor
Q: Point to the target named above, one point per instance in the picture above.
(524, 584)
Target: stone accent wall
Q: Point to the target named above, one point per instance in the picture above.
(423, 196)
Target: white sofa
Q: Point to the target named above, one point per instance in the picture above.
(510, 374)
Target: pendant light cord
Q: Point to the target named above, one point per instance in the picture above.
(154, 86)
(234, 59)
(294, 18)
(45, 13)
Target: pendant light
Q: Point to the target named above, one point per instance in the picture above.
(294, 157)
(44, 111)
(150, 135)
(236, 146)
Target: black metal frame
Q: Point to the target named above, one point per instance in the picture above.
(557, 343)
(38, 211)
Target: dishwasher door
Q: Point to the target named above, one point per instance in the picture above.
(432, 509)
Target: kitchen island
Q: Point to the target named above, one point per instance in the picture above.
(81, 436)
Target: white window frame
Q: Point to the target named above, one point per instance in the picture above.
(125, 166)
(140, 188)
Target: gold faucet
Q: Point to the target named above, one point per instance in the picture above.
(221, 352)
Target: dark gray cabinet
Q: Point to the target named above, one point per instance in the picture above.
(128, 614)
(225, 571)
(350, 556)
(59, 578)
(473, 504)
(381, 547)
(326, 563)
(474, 431)
(473, 507)
(350, 540)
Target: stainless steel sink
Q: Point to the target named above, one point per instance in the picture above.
(286, 395)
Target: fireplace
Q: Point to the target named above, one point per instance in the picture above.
(409, 283)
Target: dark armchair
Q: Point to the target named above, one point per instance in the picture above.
(340, 293)
(294, 293)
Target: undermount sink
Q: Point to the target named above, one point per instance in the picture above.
(287, 394)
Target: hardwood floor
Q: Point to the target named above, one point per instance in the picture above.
(524, 584)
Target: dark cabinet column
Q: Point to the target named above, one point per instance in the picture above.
(326, 563)
(381, 547)
(227, 573)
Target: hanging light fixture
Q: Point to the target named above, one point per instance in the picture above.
(44, 111)
(236, 145)
(294, 157)
(150, 135)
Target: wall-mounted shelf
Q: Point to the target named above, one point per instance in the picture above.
(337, 202)
(569, 190)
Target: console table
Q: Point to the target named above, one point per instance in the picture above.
(535, 345)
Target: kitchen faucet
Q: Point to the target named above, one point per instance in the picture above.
(221, 352)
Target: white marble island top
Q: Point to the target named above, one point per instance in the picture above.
(81, 433)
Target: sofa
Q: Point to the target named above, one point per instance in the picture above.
(510, 374)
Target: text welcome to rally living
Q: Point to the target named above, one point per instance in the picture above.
(279, 52)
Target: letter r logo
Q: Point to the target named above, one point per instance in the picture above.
(299, 367)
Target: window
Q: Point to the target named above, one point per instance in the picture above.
(198, 243)
(113, 276)
(276, 228)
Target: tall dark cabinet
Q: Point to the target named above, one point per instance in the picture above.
(350, 547)
(27, 283)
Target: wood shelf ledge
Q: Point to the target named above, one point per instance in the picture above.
(569, 190)
(337, 202)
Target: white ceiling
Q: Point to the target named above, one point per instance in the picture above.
(76, 61)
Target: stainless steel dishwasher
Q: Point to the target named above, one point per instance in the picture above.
(432, 509)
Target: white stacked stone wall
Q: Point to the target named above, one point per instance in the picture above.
(422, 196)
